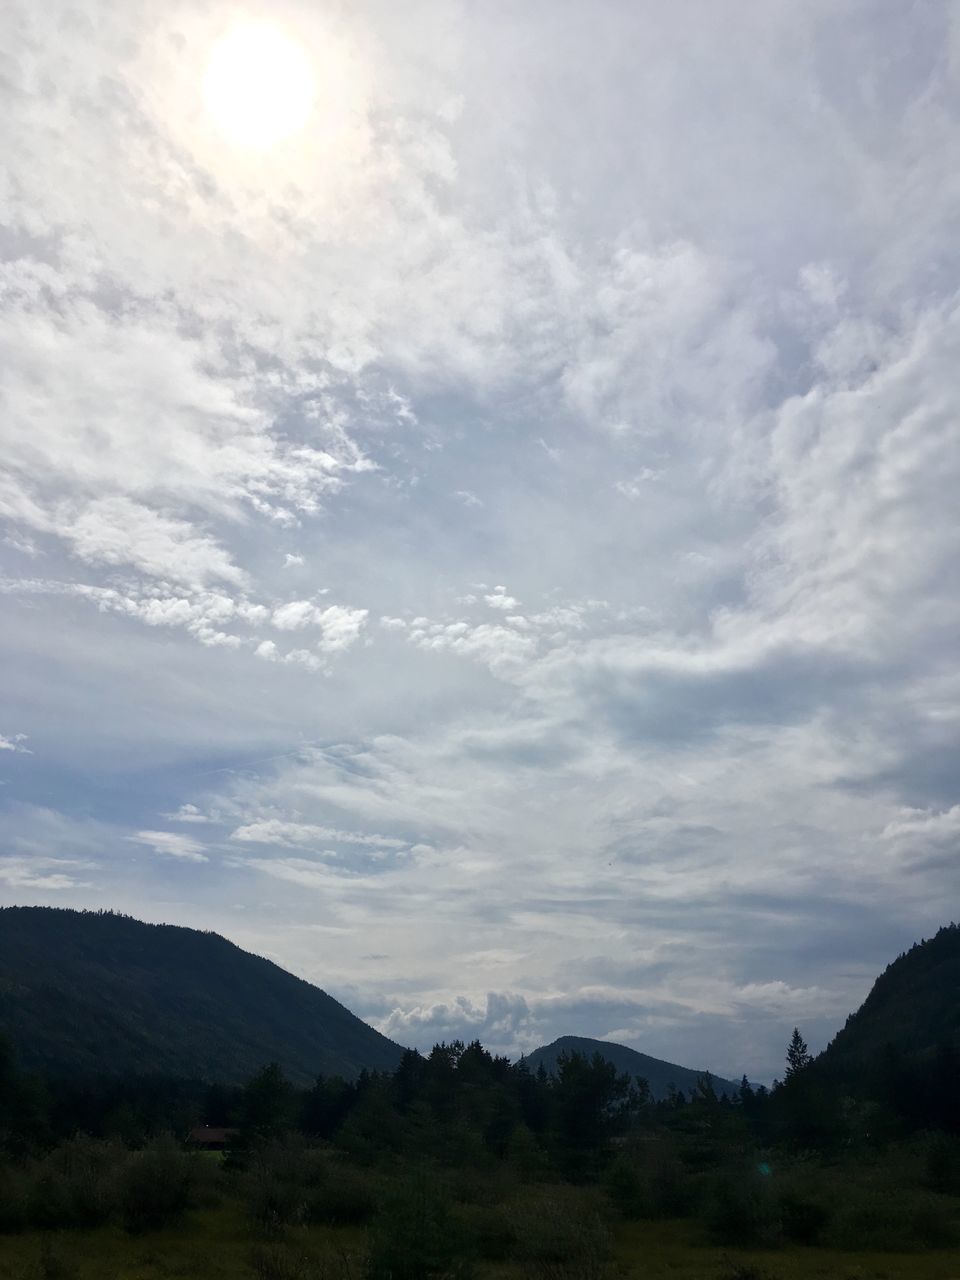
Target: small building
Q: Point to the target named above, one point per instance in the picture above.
(206, 1138)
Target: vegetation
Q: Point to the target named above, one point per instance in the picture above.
(460, 1165)
(83, 992)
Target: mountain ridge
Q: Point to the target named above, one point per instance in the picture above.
(912, 1007)
(660, 1075)
(86, 992)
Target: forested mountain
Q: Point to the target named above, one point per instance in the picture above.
(660, 1076)
(913, 1009)
(85, 993)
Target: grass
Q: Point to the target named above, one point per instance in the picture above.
(215, 1244)
(662, 1250)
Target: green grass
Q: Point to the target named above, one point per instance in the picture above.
(216, 1244)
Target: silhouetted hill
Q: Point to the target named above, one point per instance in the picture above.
(84, 993)
(658, 1074)
(913, 1007)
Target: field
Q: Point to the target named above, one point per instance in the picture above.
(217, 1244)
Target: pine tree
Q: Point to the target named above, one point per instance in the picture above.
(798, 1055)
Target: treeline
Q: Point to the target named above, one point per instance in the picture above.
(460, 1101)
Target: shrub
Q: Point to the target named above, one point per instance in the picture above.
(562, 1238)
(13, 1202)
(52, 1265)
(493, 1233)
(414, 1236)
(274, 1203)
(887, 1222)
(156, 1187)
(743, 1211)
(802, 1221)
(287, 1262)
(346, 1198)
(280, 1262)
(76, 1185)
(745, 1271)
(624, 1187)
(941, 1165)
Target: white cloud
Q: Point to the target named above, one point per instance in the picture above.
(495, 646)
(498, 599)
(172, 844)
(339, 625)
(117, 531)
(15, 744)
(187, 813)
(55, 874)
(275, 831)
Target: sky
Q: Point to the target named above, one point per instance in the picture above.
(487, 538)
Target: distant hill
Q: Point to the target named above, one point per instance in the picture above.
(90, 993)
(658, 1074)
(913, 1007)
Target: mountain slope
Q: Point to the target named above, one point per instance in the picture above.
(88, 992)
(658, 1074)
(913, 1007)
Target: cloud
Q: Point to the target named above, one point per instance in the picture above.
(634, 487)
(497, 647)
(339, 625)
(274, 831)
(699, 784)
(498, 599)
(15, 744)
(172, 844)
(117, 531)
(54, 874)
(187, 813)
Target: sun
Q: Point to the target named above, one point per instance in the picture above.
(259, 85)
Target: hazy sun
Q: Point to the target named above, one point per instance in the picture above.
(259, 85)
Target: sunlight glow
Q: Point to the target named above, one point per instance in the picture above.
(259, 85)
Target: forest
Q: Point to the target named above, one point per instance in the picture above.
(460, 1164)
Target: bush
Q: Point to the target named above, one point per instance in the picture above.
(414, 1236)
(562, 1238)
(802, 1221)
(743, 1211)
(492, 1232)
(280, 1262)
(52, 1265)
(346, 1198)
(624, 1187)
(156, 1187)
(941, 1164)
(13, 1202)
(274, 1203)
(745, 1271)
(893, 1223)
(75, 1186)
(287, 1262)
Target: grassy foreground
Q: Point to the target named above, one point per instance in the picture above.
(216, 1244)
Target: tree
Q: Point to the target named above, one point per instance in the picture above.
(798, 1055)
(267, 1104)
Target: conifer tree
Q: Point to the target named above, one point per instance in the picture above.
(798, 1055)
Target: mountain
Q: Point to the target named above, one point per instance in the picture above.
(92, 992)
(658, 1074)
(913, 1007)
